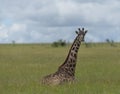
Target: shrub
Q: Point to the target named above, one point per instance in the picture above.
(59, 43)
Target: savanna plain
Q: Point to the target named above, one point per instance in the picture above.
(22, 66)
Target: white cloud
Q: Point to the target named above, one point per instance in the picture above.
(18, 27)
(15, 32)
(3, 32)
(47, 21)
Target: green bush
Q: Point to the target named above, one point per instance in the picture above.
(59, 43)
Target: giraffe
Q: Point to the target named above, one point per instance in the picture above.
(66, 71)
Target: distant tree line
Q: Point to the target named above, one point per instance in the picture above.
(63, 43)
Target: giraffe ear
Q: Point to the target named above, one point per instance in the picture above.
(76, 32)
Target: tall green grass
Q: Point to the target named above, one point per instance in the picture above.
(23, 65)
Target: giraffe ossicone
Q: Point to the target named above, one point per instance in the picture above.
(66, 71)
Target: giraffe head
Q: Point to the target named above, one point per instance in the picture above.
(81, 33)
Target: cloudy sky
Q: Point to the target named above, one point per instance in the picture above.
(28, 21)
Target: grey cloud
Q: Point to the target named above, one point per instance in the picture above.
(62, 13)
(47, 21)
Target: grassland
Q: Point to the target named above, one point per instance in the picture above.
(22, 66)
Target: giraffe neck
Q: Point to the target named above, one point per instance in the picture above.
(70, 62)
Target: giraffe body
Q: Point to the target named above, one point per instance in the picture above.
(66, 72)
(57, 78)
